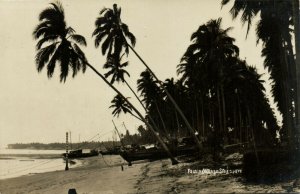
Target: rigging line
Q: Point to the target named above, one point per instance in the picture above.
(105, 161)
(27, 166)
(105, 133)
(82, 144)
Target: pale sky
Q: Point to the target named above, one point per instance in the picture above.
(36, 109)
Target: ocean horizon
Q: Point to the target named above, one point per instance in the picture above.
(19, 162)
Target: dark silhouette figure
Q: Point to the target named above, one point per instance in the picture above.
(72, 191)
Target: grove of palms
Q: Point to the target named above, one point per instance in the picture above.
(216, 93)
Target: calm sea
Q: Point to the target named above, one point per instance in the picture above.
(18, 162)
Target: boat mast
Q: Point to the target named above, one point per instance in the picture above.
(118, 133)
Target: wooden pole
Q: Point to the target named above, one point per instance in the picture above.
(67, 146)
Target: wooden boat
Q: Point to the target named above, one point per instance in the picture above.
(154, 153)
(81, 153)
(111, 151)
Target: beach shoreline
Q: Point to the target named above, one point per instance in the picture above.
(95, 175)
(111, 174)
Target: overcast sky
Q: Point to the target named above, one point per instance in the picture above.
(36, 109)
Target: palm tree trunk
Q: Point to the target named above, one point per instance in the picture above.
(177, 121)
(192, 131)
(235, 123)
(203, 119)
(224, 113)
(288, 100)
(161, 119)
(297, 43)
(240, 118)
(252, 134)
(174, 161)
(220, 111)
(136, 96)
(151, 119)
(197, 116)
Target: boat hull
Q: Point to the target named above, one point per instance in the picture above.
(79, 154)
(154, 154)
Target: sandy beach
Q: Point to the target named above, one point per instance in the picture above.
(94, 176)
(98, 176)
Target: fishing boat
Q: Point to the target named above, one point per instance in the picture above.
(154, 153)
(185, 146)
(81, 153)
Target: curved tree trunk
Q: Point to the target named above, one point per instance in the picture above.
(174, 161)
(151, 119)
(192, 131)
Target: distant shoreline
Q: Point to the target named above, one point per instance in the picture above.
(62, 146)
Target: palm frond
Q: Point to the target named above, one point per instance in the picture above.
(49, 38)
(78, 39)
(106, 44)
(70, 30)
(43, 55)
(81, 57)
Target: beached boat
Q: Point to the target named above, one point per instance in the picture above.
(111, 151)
(81, 153)
(154, 153)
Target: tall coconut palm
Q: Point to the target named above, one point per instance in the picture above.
(109, 25)
(120, 105)
(273, 29)
(117, 72)
(53, 28)
(116, 69)
(151, 94)
(206, 58)
(58, 44)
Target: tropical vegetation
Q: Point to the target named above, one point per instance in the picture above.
(216, 94)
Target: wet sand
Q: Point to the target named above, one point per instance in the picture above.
(96, 177)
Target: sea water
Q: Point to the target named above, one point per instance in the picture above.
(18, 162)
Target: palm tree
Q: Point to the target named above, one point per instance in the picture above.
(273, 29)
(117, 70)
(52, 28)
(109, 25)
(120, 105)
(58, 43)
(206, 58)
(151, 94)
(118, 73)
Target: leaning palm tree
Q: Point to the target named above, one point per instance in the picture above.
(120, 105)
(117, 72)
(112, 32)
(116, 69)
(110, 27)
(53, 29)
(151, 94)
(58, 43)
